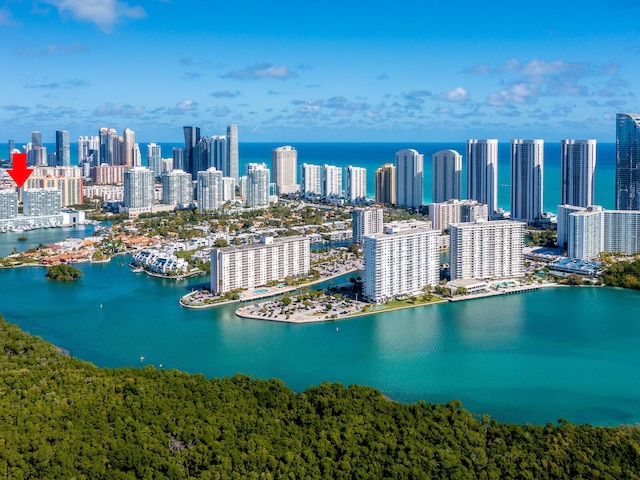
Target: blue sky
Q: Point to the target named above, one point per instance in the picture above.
(292, 71)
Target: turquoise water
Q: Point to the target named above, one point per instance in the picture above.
(531, 357)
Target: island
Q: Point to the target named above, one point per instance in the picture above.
(63, 273)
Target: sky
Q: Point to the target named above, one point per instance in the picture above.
(292, 71)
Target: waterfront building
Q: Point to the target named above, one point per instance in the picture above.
(228, 189)
(177, 188)
(486, 250)
(482, 172)
(209, 189)
(67, 180)
(332, 183)
(409, 178)
(446, 176)
(128, 147)
(108, 174)
(154, 159)
(385, 184)
(577, 172)
(41, 201)
(586, 233)
(219, 154)
(107, 139)
(527, 176)
(258, 179)
(563, 222)
(356, 185)
(366, 221)
(88, 151)
(11, 146)
(233, 154)
(622, 231)
(627, 161)
(400, 261)
(284, 166)
(191, 138)
(255, 265)
(178, 158)
(8, 203)
(139, 190)
(63, 148)
(311, 181)
(456, 211)
(108, 193)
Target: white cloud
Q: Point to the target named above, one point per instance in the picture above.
(458, 94)
(104, 13)
(260, 71)
(517, 93)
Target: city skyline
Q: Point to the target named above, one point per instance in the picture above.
(325, 77)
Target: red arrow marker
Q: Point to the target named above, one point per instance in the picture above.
(19, 172)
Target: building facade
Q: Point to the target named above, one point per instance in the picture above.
(8, 203)
(332, 182)
(385, 184)
(366, 221)
(154, 159)
(39, 202)
(209, 190)
(177, 188)
(356, 191)
(284, 167)
(482, 172)
(527, 177)
(311, 181)
(577, 172)
(456, 211)
(446, 176)
(139, 190)
(233, 154)
(258, 179)
(63, 148)
(627, 161)
(409, 178)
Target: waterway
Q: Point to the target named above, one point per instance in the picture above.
(530, 357)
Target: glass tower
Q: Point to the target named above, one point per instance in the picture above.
(627, 161)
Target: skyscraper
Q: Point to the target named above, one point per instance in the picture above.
(63, 149)
(191, 138)
(577, 171)
(366, 221)
(258, 179)
(178, 158)
(177, 188)
(332, 182)
(356, 184)
(627, 161)
(41, 201)
(154, 159)
(482, 172)
(107, 136)
(527, 175)
(233, 156)
(209, 189)
(202, 154)
(219, 154)
(139, 189)
(11, 147)
(128, 142)
(88, 150)
(385, 184)
(311, 181)
(409, 178)
(8, 203)
(284, 167)
(446, 176)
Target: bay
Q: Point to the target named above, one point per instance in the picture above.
(532, 357)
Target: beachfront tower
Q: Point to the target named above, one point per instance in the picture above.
(446, 176)
(627, 161)
(527, 175)
(577, 172)
(409, 178)
(482, 172)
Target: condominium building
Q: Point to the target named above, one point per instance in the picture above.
(128, 147)
(446, 170)
(191, 138)
(332, 182)
(385, 184)
(356, 185)
(311, 181)
(409, 178)
(233, 155)
(254, 265)
(562, 217)
(456, 211)
(482, 172)
(107, 142)
(8, 203)
(108, 174)
(284, 166)
(89, 150)
(209, 190)
(179, 162)
(366, 221)
(228, 189)
(258, 179)
(63, 148)
(400, 262)
(577, 172)
(486, 250)
(177, 188)
(622, 231)
(586, 233)
(67, 180)
(139, 190)
(154, 159)
(41, 201)
(219, 154)
(527, 176)
(627, 161)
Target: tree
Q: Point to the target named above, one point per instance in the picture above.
(63, 273)
(220, 243)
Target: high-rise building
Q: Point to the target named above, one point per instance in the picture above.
(385, 184)
(258, 179)
(284, 167)
(154, 159)
(577, 172)
(219, 154)
(41, 201)
(108, 140)
(8, 203)
(178, 158)
(622, 231)
(209, 189)
(89, 150)
(586, 233)
(108, 174)
(191, 138)
(36, 138)
(562, 217)
(256, 264)
(228, 189)
(311, 181)
(400, 261)
(486, 250)
(128, 142)
(527, 176)
(36, 152)
(63, 148)
(233, 155)
(482, 172)
(627, 161)
(409, 178)
(332, 182)
(202, 154)
(366, 221)
(356, 185)
(67, 180)
(11, 146)
(456, 211)
(139, 189)
(177, 188)
(446, 170)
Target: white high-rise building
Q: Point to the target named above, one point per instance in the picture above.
(254, 265)
(482, 172)
(233, 154)
(177, 188)
(88, 150)
(41, 201)
(139, 185)
(486, 250)
(258, 179)
(409, 178)
(209, 189)
(366, 221)
(622, 231)
(400, 262)
(8, 203)
(68, 180)
(446, 176)
(563, 223)
(456, 211)
(228, 189)
(284, 166)
(356, 185)
(311, 181)
(527, 177)
(586, 233)
(219, 154)
(154, 159)
(577, 172)
(332, 184)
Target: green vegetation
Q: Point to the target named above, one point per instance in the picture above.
(22, 239)
(542, 238)
(63, 273)
(65, 418)
(623, 274)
